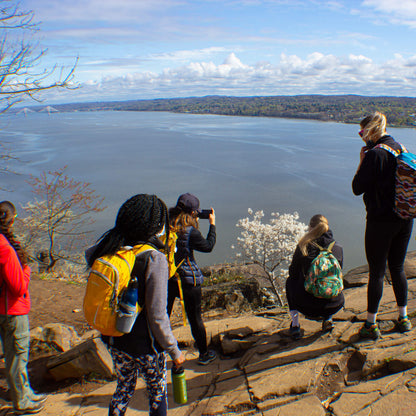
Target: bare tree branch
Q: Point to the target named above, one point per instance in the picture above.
(57, 222)
(19, 58)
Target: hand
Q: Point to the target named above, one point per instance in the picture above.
(363, 152)
(211, 217)
(179, 361)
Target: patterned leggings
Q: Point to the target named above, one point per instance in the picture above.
(152, 368)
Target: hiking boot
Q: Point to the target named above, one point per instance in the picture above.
(369, 331)
(328, 325)
(207, 357)
(295, 332)
(404, 324)
(34, 407)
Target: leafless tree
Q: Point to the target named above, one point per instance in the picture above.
(56, 225)
(20, 56)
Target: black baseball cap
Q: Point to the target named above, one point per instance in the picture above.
(188, 203)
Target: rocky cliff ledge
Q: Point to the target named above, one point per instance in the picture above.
(261, 371)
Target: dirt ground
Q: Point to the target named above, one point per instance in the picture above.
(56, 301)
(53, 301)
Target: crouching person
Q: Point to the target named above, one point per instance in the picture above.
(318, 306)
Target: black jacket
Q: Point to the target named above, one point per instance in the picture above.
(187, 242)
(375, 178)
(297, 296)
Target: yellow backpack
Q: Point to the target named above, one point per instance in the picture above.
(108, 277)
(173, 267)
(172, 250)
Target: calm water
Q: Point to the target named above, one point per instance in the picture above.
(231, 163)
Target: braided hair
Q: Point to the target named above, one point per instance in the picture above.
(139, 218)
(7, 216)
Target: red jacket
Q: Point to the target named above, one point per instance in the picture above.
(14, 281)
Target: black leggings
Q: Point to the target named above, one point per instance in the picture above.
(192, 298)
(386, 242)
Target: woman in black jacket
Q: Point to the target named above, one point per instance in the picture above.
(386, 235)
(184, 221)
(298, 298)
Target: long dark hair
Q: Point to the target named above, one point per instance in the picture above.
(7, 216)
(139, 218)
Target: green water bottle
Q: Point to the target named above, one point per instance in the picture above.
(179, 385)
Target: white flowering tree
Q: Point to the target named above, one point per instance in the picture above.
(271, 245)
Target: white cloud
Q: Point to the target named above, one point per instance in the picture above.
(315, 74)
(185, 55)
(398, 12)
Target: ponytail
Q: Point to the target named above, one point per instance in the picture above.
(318, 225)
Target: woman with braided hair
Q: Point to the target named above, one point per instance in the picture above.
(142, 351)
(14, 320)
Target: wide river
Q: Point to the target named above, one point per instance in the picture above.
(230, 163)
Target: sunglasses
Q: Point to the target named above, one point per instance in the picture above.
(361, 133)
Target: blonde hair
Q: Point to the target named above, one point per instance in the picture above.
(318, 225)
(374, 125)
(182, 220)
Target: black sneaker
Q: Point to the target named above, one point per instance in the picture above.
(207, 357)
(34, 407)
(369, 330)
(404, 324)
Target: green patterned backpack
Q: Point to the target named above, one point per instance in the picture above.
(324, 277)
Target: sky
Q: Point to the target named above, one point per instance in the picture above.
(143, 49)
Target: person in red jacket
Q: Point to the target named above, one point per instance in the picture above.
(14, 320)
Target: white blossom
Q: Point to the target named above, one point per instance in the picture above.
(270, 245)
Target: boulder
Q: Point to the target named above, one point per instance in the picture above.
(91, 356)
(57, 337)
(239, 296)
(359, 275)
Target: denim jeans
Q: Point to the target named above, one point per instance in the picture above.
(14, 333)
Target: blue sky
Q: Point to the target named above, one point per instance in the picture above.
(139, 49)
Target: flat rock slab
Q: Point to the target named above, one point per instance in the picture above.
(296, 354)
(401, 402)
(247, 325)
(351, 403)
(289, 379)
(308, 406)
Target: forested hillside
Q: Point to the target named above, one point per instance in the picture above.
(400, 111)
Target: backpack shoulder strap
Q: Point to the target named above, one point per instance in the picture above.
(141, 248)
(329, 248)
(331, 245)
(404, 150)
(389, 149)
(314, 243)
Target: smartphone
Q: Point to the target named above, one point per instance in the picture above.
(205, 213)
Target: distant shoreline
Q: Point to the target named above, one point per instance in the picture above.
(400, 111)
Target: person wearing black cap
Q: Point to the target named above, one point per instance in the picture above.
(142, 351)
(184, 221)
